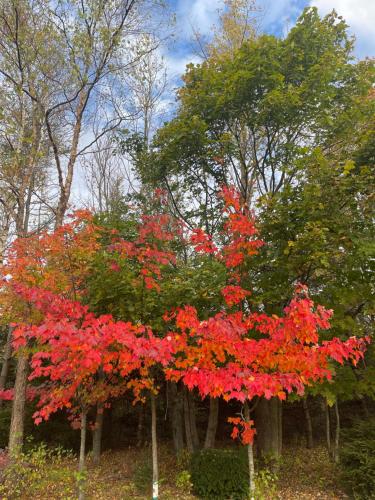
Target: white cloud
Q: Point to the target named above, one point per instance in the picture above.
(360, 16)
(177, 65)
(198, 14)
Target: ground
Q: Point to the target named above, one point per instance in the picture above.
(122, 475)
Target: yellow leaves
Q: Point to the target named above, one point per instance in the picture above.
(348, 167)
(289, 248)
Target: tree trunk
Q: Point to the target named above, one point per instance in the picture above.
(177, 403)
(268, 414)
(155, 469)
(140, 426)
(309, 431)
(97, 434)
(66, 186)
(337, 434)
(6, 361)
(328, 427)
(193, 420)
(188, 434)
(250, 456)
(212, 423)
(82, 457)
(18, 409)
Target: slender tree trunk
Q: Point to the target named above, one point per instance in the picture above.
(328, 427)
(212, 423)
(16, 431)
(82, 457)
(66, 186)
(309, 431)
(188, 435)
(140, 425)
(279, 404)
(97, 434)
(337, 433)
(250, 456)
(176, 416)
(193, 420)
(6, 361)
(155, 468)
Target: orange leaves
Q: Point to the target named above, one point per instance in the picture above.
(243, 354)
(231, 198)
(148, 253)
(187, 318)
(234, 294)
(239, 230)
(242, 429)
(87, 359)
(235, 354)
(57, 261)
(202, 242)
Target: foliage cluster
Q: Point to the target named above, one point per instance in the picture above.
(358, 459)
(36, 470)
(220, 473)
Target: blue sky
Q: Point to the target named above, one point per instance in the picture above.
(277, 16)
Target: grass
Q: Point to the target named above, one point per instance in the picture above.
(126, 474)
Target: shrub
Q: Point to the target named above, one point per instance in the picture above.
(265, 484)
(183, 481)
(358, 459)
(220, 474)
(36, 470)
(142, 477)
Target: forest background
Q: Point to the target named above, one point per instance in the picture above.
(222, 189)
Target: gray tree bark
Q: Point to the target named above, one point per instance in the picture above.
(250, 456)
(82, 457)
(97, 434)
(188, 433)
(176, 416)
(213, 416)
(268, 415)
(16, 430)
(328, 426)
(140, 425)
(337, 434)
(193, 419)
(154, 441)
(309, 430)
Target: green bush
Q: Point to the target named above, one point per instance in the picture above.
(220, 474)
(358, 459)
(142, 476)
(183, 481)
(38, 470)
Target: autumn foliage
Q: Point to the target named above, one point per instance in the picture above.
(79, 359)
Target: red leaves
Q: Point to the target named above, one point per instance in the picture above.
(221, 357)
(234, 294)
(6, 394)
(85, 359)
(74, 346)
(187, 318)
(148, 253)
(202, 242)
(225, 361)
(242, 429)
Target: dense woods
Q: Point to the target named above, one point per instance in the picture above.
(187, 294)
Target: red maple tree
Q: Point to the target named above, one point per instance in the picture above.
(240, 354)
